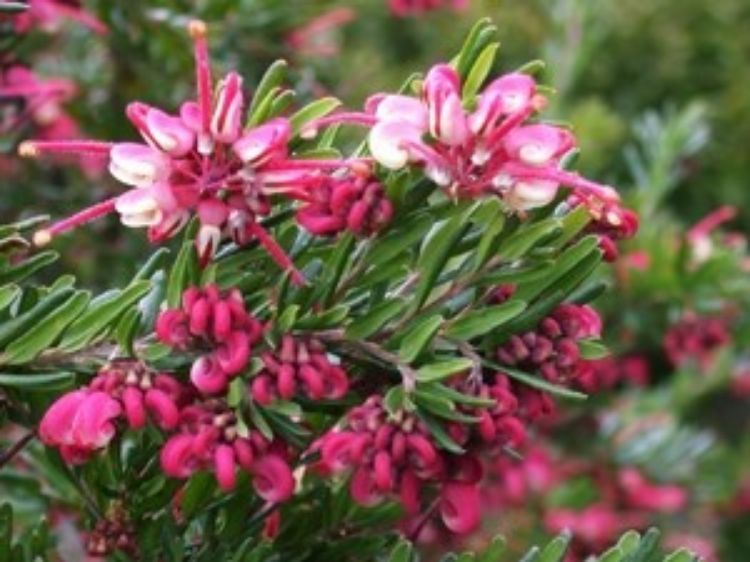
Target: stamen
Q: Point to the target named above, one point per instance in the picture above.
(197, 30)
(32, 149)
(277, 253)
(45, 236)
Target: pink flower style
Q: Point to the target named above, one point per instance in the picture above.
(552, 349)
(199, 162)
(83, 421)
(404, 8)
(298, 366)
(218, 322)
(209, 438)
(317, 37)
(490, 150)
(48, 15)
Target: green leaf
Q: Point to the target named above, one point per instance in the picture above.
(394, 400)
(27, 267)
(441, 436)
(629, 542)
(314, 110)
(12, 8)
(532, 67)
(402, 552)
(37, 381)
(127, 329)
(182, 274)
(286, 319)
(274, 75)
(397, 240)
(8, 294)
(556, 549)
(572, 224)
(647, 546)
(453, 395)
(335, 266)
(441, 407)
(375, 319)
(479, 71)
(6, 532)
(682, 555)
(614, 554)
(101, 315)
(158, 259)
(536, 382)
(494, 552)
(20, 324)
(443, 369)
(531, 556)
(327, 319)
(419, 337)
(475, 41)
(479, 322)
(436, 252)
(198, 491)
(491, 230)
(33, 342)
(526, 238)
(592, 349)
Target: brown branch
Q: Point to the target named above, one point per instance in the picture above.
(16, 448)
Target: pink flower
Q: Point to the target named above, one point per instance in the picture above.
(641, 494)
(80, 423)
(459, 507)
(316, 38)
(472, 153)
(48, 15)
(404, 8)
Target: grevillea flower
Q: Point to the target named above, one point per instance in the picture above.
(83, 421)
(489, 150)
(611, 222)
(208, 438)
(200, 161)
(404, 8)
(699, 235)
(211, 320)
(642, 494)
(395, 455)
(298, 366)
(552, 348)
(355, 203)
(696, 338)
(607, 372)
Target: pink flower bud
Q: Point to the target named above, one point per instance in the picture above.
(260, 389)
(363, 488)
(383, 471)
(132, 401)
(336, 450)
(260, 144)
(286, 382)
(200, 314)
(137, 164)
(409, 492)
(225, 467)
(226, 121)
(313, 381)
(222, 320)
(93, 426)
(207, 242)
(172, 328)
(162, 408)
(273, 479)
(447, 119)
(459, 507)
(56, 427)
(243, 451)
(233, 355)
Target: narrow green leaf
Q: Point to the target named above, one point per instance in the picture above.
(436, 252)
(397, 240)
(471, 46)
(127, 329)
(262, 112)
(526, 238)
(419, 337)
(197, 492)
(99, 317)
(402, 552)
(614, 554)
(536, 382)
(592, 349)
(394, 400)
(441, 436)
(37, 381)
(494, 552)
(274, 75)
(375, 319)
(181, 275)
(682, 555)
(6, 532)
(440, 407)
(335, 266)
(453, 395)
(27, 267)
(532, 67)
(314, 110)
(34, 341)
(287, 318)
(157, 260)
(479, 71)
(8, 294)
(443, 369)
(484, 320)
(20, 324)
(556, 549)
(328, 319)
(629, 542)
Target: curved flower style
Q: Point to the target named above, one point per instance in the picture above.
(208, 438)
(48, 15)
(489, 150)
(200, 162)
(218, 322)
(403, 8)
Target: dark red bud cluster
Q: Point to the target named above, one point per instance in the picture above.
(209, 437)
(607, 372)
(356, 204)
(111, 534)
(696, 338)
(612, 223)
(211, 320)
(397, 455)
(552, 349)
(298, 366)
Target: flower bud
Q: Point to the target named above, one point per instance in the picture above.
(137, 164)
(263, 143)
(226, 121)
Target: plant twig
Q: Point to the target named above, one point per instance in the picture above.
(16, 448)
